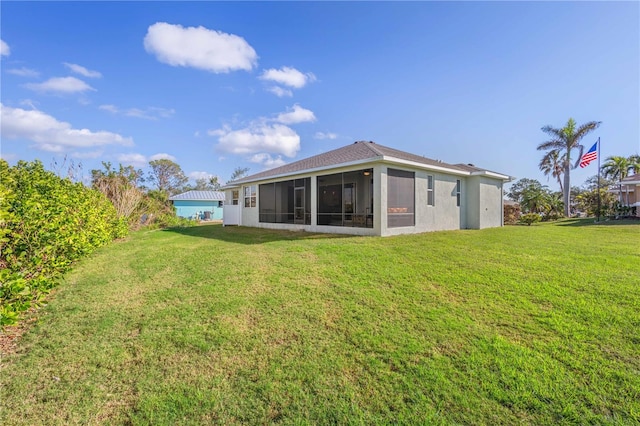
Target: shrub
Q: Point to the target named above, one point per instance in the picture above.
(511, 213)
(530, 218)
(46, 223)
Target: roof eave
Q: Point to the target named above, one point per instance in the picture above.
(305, 171)
(494, 175)
(384, 159)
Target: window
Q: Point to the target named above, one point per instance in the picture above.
(400, 198)
(346, 199)
(458, 190)
(286, 202)
(235, 196)
(250, 196)
(220, 204)
(430, 198)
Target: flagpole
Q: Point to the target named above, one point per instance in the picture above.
(598, 179)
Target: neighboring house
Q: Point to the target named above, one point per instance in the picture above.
(203, 205)
(630, 192)
(367, 189)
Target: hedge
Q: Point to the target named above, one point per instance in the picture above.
(46, 223)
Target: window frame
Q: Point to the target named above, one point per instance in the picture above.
(250, 196)
(431, 198)
(400, 215)
(458, 192)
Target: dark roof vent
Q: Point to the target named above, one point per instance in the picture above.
(363, 142)
(470, 164)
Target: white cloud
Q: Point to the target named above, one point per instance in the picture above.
(30, 103)
(199, 47)
(162, 156)
(150, 113)
(288, 76)
(280, 92)
(200, 175)
(267, 160)
(8, 157)
(61, 85)
(110, 108)
(52, 135)
(296, 114)
(322, 135)
(265, 136)
(204, 175)
(24, 72)
(137, 160)
(79, 69)
(90, 154)
(258, 137)
(5, 50)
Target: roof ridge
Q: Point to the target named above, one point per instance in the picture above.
(372, 146)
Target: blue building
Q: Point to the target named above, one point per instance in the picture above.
(202, 205)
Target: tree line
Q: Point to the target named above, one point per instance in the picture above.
(563, 154)
(144, 199)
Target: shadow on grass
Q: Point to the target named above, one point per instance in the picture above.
(247, 235)
(591, 221)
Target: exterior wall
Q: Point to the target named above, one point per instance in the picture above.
(490, 198)
(472, 202)
(192, 208)
(443, 215)
(481, 203)
(250, 215)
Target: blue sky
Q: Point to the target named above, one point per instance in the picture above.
(215, 86)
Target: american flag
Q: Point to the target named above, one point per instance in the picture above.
(589, 156)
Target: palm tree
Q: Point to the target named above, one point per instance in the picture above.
(565, 140)
(634, 163)
(616, 168)
(551, 164)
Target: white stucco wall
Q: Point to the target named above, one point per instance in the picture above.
(490, 203)
(481, 203)
(443, 215)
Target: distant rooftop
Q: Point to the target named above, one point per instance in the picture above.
(358, 152)
(199, 196)
(631, 179)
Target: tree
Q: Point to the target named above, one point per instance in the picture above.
(634, 163)
(565, 140)
(551, 164)
(239, 173)
(215, 183)
(120, 187)
(536, 199)
(517, 190)
(616, 168)
(167, 176)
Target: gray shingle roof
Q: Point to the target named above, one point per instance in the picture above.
(199, 196)
(358, 151)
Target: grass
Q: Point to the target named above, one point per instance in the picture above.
(515, 325)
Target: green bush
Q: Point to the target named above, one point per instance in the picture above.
(46, 223)
(530, 218)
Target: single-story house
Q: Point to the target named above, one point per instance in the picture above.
(367, 189)
(630, 194)
(202, 205)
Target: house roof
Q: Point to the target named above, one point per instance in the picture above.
(361, 152)
(630, 180)
(199, 196)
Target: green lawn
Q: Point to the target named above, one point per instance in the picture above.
(515, 325)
